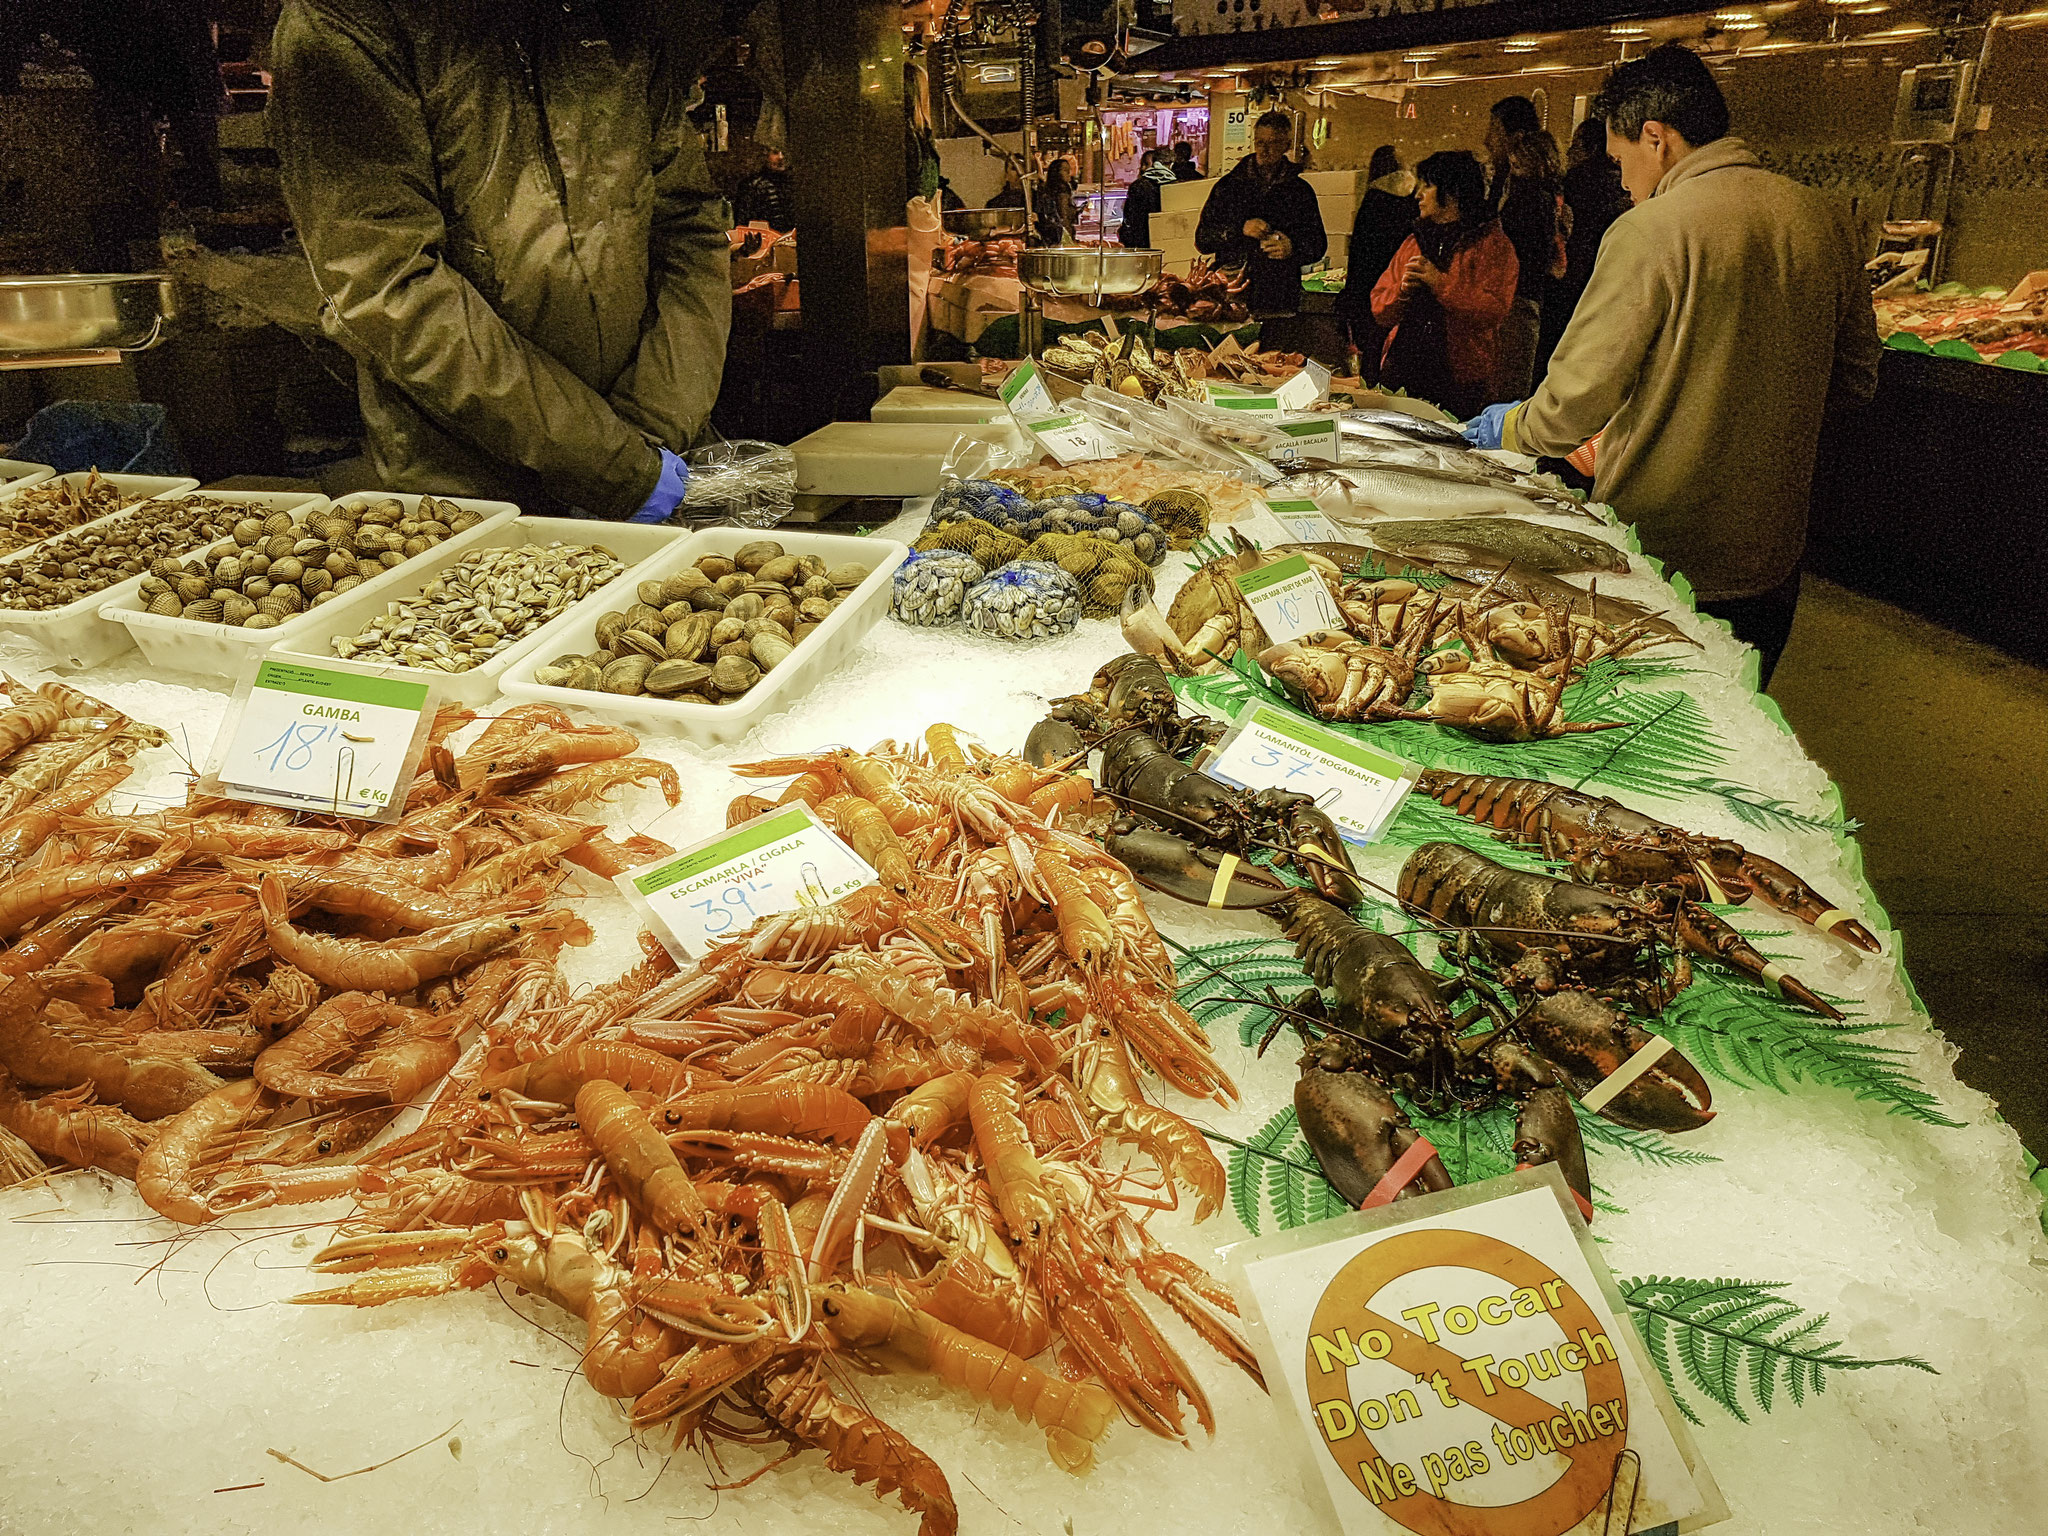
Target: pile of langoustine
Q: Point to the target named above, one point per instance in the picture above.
(858, 1136)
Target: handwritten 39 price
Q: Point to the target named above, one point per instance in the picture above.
(723, 908)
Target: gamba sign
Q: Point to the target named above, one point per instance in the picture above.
(1455, 1366)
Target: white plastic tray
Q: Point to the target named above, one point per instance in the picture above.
(75, 635)
(15, 473)
(635, 543)
(722, 724)
(217, 650)
(134, 487)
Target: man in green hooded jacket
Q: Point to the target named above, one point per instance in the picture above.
(510, 225)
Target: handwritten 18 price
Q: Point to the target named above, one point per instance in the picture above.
(296, 746)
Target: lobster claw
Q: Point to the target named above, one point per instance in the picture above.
(1788, 893)
(1547, 1131)
(1319, 851)
(1180, 869)
(1358, 1133)
(1587, 1041)
(1706, 934)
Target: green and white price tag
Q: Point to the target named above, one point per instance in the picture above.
(1305, 522)
(1025, 394)
(1313, 437)
(1290, 599)
(1070, 439)
(1248, 404)
(1359, 787)
(1305, 388)
(781, 860)
(327, 737)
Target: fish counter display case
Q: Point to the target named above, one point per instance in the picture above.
(1934, 496)
(1840, 1272)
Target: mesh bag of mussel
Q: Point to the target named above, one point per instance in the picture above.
(1025, 600)
(930, 586)
(985, 499)
(990, 546)
(1072, 511)
(1105, 570)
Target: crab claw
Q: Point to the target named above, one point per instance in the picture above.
(1147, 632)
(1358, 1133)
(1586, 1042)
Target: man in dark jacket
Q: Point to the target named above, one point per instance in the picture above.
(1184, 167)
(509, 222)
(1265, 218)
(1141, 201)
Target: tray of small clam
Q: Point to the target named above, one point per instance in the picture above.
(461, 615)
(51, 593)
(263, 586)
(716, 634)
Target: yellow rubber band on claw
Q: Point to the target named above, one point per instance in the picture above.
(1773, 975)
(1220, 886)
(1827, 920)
(1609, 1087)
(1714, 892)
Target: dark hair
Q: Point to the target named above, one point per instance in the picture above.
(1589, 142)
(1386, 160)
(1275, 119)
(1517, 114)
(1667, 85)
(1183, 150)
(1458, 177)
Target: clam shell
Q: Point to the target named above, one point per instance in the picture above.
(674, 676)
(734, 674)
(748, 605)
(645, 644)
(677, 588)
(725, 631)
(167, 604)
(709, 599)
(771, 648)
(847, 577)
(751, 557)
(236, 609)
(651, 593)
(813, 610)
(732, 585)
(206, 611)
(715, 566)
(627, 675)
(608, 627)
(193, 588)
(818, 586)
(586, 675)
(687, 638)
(278, 522)
(782, 569)
(166, 569)
(260, 621)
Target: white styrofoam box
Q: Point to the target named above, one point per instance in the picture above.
(714, 725)
(15, 473)
(75, 635)
(1185, 196)
(1174, 226)
(218, 650)
(634, 543)
(922, 403)
(899, 459)
(1324, 184)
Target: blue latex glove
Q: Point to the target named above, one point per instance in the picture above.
(1484, 430)
(668, 490)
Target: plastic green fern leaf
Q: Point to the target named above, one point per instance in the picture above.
(1723, 1336)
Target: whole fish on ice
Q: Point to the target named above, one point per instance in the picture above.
(1476, 539)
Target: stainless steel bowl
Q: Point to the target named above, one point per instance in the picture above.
(1088, 272)
(84, 311)
(984, 223)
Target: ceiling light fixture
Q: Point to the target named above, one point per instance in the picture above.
(1627, 29)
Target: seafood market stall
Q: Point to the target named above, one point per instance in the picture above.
(1837, 1263)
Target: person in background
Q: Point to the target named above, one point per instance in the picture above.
(508, 218)
(1593, 198)
(1447, 290)
(1012, 194)
(1142, 201)
(1725, 311)
(1385, 216)
(1524, 193)
(1054, 205)
(1184, 167)
(1263, 217)
(765, 196)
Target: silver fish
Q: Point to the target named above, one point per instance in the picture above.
(1507, 538)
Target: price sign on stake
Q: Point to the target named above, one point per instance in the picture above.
(1070, 439)
(777, 862)
(1307, 522)
(1290, 599)
(1461, 1365)
(321, 736)
(1024, 392)
(1270, 748)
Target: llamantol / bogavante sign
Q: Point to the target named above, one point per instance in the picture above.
(1461, 1365)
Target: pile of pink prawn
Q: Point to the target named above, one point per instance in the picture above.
(870, 1135)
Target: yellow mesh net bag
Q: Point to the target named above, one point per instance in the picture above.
(1104, 570)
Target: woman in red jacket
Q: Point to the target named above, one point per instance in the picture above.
(1447, 290)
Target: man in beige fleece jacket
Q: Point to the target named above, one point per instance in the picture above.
(1726, 309)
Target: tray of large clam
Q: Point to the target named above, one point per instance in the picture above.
(15, 473)
(744, 625)
(264, 585)
(461, 615)
(51, 593)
